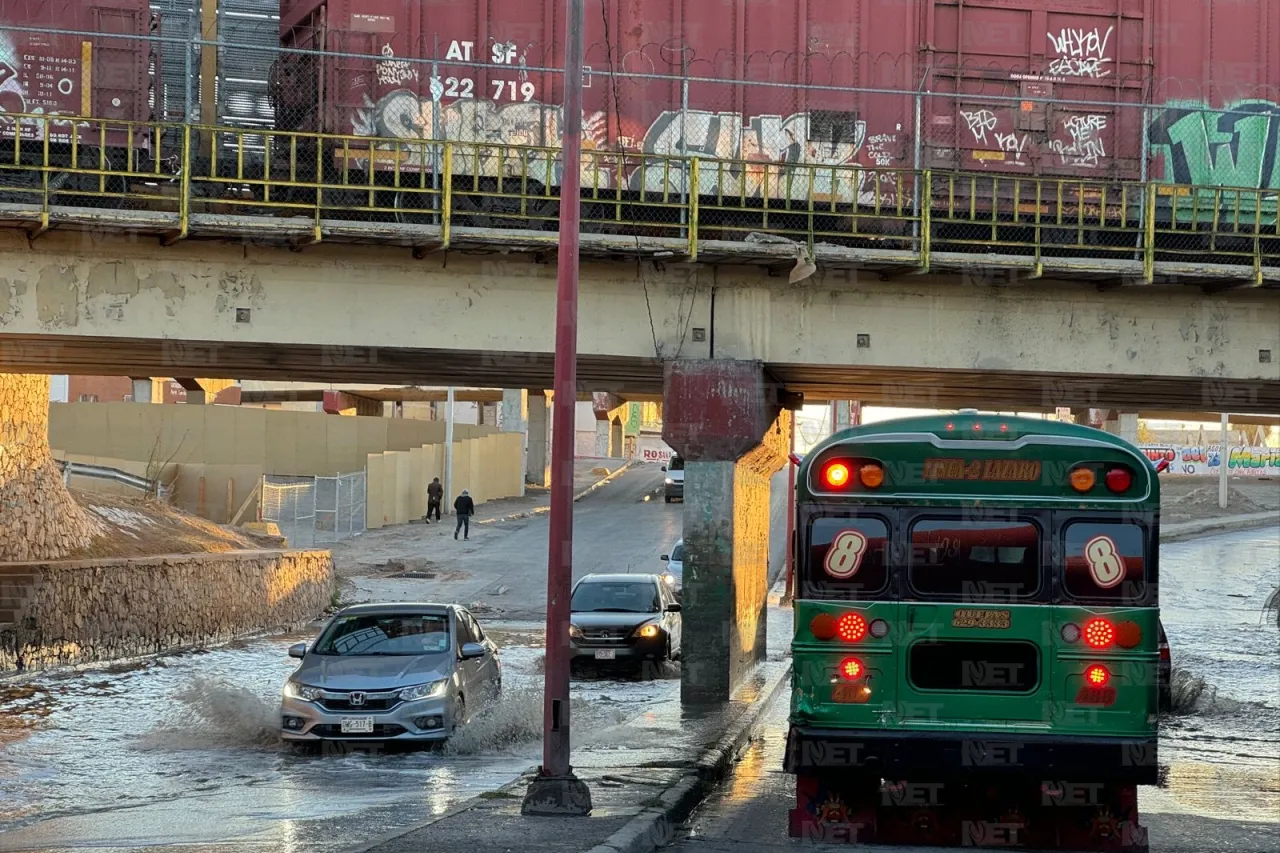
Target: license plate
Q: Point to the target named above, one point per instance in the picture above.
(854, 694)
(357, 725)
(606, 654)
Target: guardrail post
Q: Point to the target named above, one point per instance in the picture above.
(695, 170)
(925, 212)
(44, 176)
(446, 202)
(1149, 237)
(184, 189)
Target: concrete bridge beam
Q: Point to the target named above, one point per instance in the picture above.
(725, 419)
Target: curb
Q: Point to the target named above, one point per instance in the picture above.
(603, 482)
(1226, 525)
(540, 510)
(655, 827)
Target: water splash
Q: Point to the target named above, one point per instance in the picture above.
(213, 713)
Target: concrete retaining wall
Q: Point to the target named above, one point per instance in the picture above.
(66, 613)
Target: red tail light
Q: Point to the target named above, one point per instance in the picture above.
(823, 627)
(1119, 480)
(1097, 675)
(1099, 633)
(851, 669)
(1164, 653)
(1128, 635)
(851, 627)
(836, 475)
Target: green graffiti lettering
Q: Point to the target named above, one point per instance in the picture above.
(1231, 147)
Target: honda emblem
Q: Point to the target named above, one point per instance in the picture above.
(356, 699)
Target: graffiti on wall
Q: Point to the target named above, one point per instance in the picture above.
(36, 84)
(1231, 147)
(1193, 460)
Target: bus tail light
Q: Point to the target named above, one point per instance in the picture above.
(1119, 480)
(879, 628)
(836, 475)
(1097, 675)
(823, 627)
(1071, 633)
(872, 476)
(1099, 633)
(851, 627)
(1128, 635)
(1082, 479)
(852, 669)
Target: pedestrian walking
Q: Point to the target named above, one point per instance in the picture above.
(435, 494)
(464, 507)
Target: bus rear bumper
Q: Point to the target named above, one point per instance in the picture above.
(933, 755)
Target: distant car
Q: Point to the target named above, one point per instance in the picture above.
(390, 672)
(624, 618)
(674, 484)
(1165, 677)
(674, 576)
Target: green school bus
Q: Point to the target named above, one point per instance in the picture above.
(976, 637)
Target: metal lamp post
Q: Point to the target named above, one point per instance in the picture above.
(556, 791)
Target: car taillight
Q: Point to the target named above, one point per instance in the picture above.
(851, 627)
(1119, 480)
(851, 669)
(1097, 675)
(1164, 653)
(1099, 633)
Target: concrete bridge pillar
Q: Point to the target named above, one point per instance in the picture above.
(615, 438)
(537, 457)
(143, 389)
(725, 419)
(513, 416)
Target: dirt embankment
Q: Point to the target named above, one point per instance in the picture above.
(138, 527)
(1196, 498)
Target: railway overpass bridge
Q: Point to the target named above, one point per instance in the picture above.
(729, 311)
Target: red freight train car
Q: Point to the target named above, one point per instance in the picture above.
(45, 73)
(1062, 87)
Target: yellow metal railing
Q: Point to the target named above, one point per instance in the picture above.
(52, 163)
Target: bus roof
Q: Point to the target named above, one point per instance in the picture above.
(919, 441)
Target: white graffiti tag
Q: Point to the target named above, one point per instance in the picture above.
(979, 123)
(1012, 144)
(391, 71)
(1086, 147)
(1080, 52)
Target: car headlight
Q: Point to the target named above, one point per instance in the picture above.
(669, 578)
(670, 482)
(294, 690)
(575, 632)
(647, 632)
(430, 690)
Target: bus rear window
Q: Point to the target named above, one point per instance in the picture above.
(1104, 561)
(975, 560)
(847, 557)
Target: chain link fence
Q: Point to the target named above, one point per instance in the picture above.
(313, 511)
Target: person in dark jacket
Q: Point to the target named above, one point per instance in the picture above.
(435, 494)
(465, 507)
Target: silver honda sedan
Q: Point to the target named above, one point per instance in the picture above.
(390, 672)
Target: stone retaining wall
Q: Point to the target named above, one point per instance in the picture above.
(66, 613)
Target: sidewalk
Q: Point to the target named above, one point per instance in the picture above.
(645, 775)
(1223, 524)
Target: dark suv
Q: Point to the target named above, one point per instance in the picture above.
(624, 618)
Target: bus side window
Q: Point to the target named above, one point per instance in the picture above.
(1103, 560)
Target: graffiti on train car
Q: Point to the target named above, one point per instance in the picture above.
(755, 145)
(1235, 146)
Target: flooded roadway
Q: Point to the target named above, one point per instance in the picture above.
(183, 750)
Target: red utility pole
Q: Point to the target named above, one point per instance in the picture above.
(556, 791)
